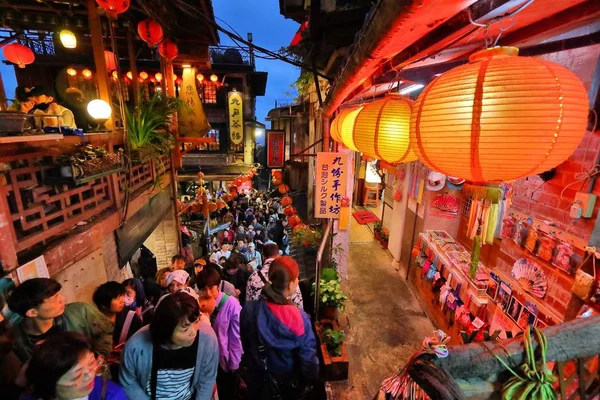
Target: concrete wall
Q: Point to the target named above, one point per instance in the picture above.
(163, 241)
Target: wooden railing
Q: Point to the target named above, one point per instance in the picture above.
(473, 372)
(34, 214)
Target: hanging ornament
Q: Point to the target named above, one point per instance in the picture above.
(18, 54)
(214, 78)
(114, 7)
(167, 49)
(283, 189)
(150, 31)
(289, 211)
(143, 75)
(87, 74)
(286, 201)
(200, 77)
(382, 129)
(500, 117)
(110, 60)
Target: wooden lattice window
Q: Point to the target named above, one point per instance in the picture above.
(210, 93)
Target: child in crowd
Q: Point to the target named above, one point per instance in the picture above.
(177, 262)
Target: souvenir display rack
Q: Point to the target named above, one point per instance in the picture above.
(473, 304)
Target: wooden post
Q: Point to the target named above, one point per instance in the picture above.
(133, 68)
(98, 51)
(170, 86)
(175, 199)
(8, 250)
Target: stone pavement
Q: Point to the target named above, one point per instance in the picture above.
(383, 321)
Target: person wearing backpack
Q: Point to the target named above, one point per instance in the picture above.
(225, 320)
(280, 348)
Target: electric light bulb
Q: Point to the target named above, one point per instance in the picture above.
(68, 39)
(99, 109)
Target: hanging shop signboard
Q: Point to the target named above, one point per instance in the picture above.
(236, 117)
(275, 149)
(191, 119)
(331, 175)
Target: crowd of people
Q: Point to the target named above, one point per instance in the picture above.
(228, 325)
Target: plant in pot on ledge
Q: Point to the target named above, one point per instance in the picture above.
(385, 237)
(88, 161)
(147, 127)
(333, 350)
(331, 297)
(377, 227)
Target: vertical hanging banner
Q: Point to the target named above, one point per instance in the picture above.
(331, 174)
(236, 117)
(275, 149)
(192, 121)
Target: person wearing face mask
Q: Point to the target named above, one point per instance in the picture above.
(64, 367)
(110, 300)
(135, 299)
(46, 105)
(176, 357)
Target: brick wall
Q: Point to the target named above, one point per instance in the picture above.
(551, 201)
(163, 242)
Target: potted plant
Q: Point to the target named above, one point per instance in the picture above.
(377, 227)
(333, 351)
(331, 298)
(85, 162)
(385, 237)
(147, 126)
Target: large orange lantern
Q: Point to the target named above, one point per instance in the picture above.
(150, 31)
(500, 117)
(336, 125)
(114, 7)
(18, 54)
(110, 60)
(382, 129)
(168, 49)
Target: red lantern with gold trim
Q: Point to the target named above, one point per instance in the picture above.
(18, 54)
(114, 7)
(168, 49)
(150, 31)
(286, 201)
(294, 220)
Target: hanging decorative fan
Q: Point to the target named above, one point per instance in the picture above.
(531, 277)
(446, 203)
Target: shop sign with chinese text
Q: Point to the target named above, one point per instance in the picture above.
(275, 149)
(236, 117)
(331, 175)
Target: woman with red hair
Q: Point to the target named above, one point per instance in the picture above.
(280, 349)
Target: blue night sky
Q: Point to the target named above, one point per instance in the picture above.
(270, 30)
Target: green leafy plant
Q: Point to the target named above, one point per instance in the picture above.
(385, 234)
(377, 227)
(331, 294)
(329, 274)
(147, 123)
(333, 340)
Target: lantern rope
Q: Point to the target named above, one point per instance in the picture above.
(498, 19)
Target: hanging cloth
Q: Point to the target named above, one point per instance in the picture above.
(492, 224)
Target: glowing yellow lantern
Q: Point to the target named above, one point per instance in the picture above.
(71, 71)
(336, 124)
(87, 74)
(68, 39)
(115, 76)
(214, 78)
(347, 128)
(158, 77)
(500, 117)
(144, 75)
(382, 129)
(200, 77)
(130, 75)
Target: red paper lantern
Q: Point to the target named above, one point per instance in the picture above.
(179, 81)
(283, 189)
(227, 197)
(212, 206)
(110, 60)
(168, 49)
(114, 7)
(294, 220)
(289, 211)
(237, 182)
(277, 181)
(254, 171)
(286, 201)
(18, 54)
(150, 31)
(299, 227)
(220, 204)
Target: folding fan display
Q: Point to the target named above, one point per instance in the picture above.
(531, 277)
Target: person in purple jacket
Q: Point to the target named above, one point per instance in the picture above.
(64, 367)
(224, 313)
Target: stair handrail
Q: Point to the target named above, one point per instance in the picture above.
(318, 265)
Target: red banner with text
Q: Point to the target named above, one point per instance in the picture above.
(275, 149)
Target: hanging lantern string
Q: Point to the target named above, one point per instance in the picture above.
(499, 19)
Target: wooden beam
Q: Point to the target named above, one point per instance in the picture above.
(194, 140)
(98, 51)
(133, 68)
(555, 24)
